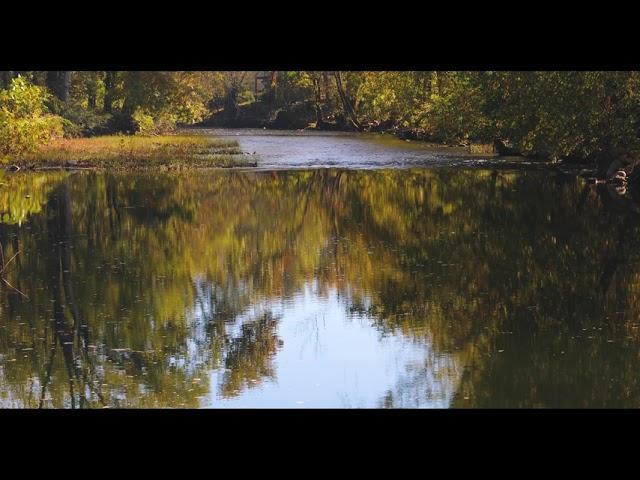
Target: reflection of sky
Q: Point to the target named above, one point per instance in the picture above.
(330, 359)
(198, 345)
(10, 398)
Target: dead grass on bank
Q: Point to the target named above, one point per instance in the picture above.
(127, 152)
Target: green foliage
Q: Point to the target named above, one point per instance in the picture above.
(293, 87)
(79, 121)
(399, 97)
(182, 96)
(555, 114)
(147, 124)
(144, 122)
(24, 121)
(88, 89)
(584, 115)
(562, 114)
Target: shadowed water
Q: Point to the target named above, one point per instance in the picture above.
(322, 288)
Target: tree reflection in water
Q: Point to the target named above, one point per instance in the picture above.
(503, 288)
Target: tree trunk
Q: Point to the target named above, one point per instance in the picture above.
(133, 86)
(59, 83)
(271, 94)
(92, 90)
(233, 87)
(327, 88)
(231, 104)
(109, 91)
(346, 104)
(318, 102)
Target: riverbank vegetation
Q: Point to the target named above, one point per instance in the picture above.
(52, 120)
(577, 116)
(126, 152)
(589, 117)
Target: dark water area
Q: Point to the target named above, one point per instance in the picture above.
(412, 287)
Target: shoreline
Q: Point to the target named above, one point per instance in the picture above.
(187, 150)
(603, 168)
(494, 148)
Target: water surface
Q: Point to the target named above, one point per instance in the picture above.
(296, 149)
(412, 287)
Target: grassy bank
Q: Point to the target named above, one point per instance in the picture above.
(132, 152)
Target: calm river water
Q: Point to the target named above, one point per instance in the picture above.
(389, 279)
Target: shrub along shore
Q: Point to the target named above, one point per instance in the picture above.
(39, 131)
